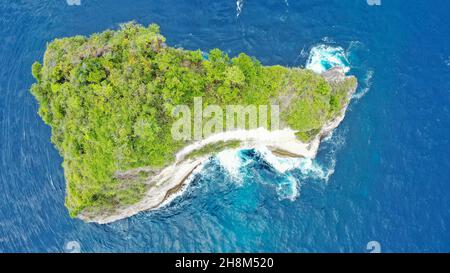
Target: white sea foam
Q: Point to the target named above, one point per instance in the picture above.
(289, 189)
(308, 167)
(231, 162)
(327, 39)
(367, 83)
(239, 5)
(311, 169)
(73, 2)
(286, 166)
(333, 143)
(324, 57)
(280, 164)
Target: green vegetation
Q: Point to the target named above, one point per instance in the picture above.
(109, 97)
(214, 147)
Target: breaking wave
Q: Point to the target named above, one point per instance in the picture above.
(284, 174)
(366, 84)
(324, 57)
(231, 161)
(239, 5)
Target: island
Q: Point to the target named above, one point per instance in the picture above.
(110, 100)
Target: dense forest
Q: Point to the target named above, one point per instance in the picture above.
(109, 97)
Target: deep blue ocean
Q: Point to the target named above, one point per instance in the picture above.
(384, 174)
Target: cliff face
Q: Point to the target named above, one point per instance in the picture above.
(335, 75)
(109, 99)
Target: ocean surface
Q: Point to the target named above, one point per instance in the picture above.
(381, 182)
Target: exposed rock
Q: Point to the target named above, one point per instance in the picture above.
(335, 74)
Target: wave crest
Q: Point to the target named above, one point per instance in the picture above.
(283, 174)
(324, 57)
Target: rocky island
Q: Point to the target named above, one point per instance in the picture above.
(110, 100)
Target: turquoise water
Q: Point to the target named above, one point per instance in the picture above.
(382, 176)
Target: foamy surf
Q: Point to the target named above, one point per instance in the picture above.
(288, 189)
(324, 57)
(231, 162)
(367, 83)
(308, 167)
(239, 5)
(288, 171)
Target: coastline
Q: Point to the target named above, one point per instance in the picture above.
(173, 180)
